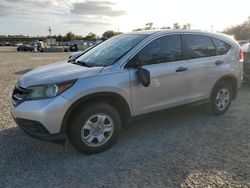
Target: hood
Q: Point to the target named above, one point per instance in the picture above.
(56, 73)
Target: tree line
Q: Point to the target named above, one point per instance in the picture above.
(70, 36)
(91, 36)
(241, 31)
(108, 34)
(150, 25)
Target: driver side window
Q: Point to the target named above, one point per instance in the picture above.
(161, 50)
(151, 54)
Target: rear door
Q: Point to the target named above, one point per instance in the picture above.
(163, 58)
(203, 65)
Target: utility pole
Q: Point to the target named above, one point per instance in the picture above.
(212, 28)
(50, 31)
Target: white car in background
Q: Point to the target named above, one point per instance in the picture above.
(246, 47)
(246, 63)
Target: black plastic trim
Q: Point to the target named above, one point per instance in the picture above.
(58, 138)
(197, 103)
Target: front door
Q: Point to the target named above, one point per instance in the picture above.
(163, 58)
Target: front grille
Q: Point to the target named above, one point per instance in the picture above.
(31, 126)
(19, 95)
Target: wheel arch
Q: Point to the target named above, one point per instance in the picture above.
(232, 80)
(114, 99)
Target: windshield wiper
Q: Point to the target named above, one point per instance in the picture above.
(82, 64)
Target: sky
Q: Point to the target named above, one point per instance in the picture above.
(34, 17)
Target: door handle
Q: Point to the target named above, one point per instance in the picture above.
(219, 62)
(181, 69)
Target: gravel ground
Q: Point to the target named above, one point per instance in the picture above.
(175, 148)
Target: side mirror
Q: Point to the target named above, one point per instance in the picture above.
(143, 76)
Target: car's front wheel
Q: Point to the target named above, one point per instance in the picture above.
(95, 128)
(221, 98)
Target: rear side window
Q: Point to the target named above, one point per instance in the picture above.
(222, 47)
(199, 46)
(161, 50)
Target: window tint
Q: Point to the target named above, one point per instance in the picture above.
(199, 46)
(222, 47)
(164, 49)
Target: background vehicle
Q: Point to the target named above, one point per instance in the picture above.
(73, 48)
(246, 47)
(243, 42)
(7, 44)
(74, 55)
(246, 63)
(27, 47)
(129, 75)
(34, 46)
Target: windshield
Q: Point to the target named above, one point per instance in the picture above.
(110, 51)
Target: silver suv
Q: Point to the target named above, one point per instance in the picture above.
(90, 99)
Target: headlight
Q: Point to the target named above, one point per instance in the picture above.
(48, 91)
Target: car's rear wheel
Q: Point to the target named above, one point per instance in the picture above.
(95, 128)
(221, 98)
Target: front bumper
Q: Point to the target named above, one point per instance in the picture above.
(38, 131)
(44, 115)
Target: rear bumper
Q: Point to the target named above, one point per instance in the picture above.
(37, 130)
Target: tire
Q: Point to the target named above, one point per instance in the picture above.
(222, 93)
(94, 128)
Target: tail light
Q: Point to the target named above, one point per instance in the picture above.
(241, 59)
